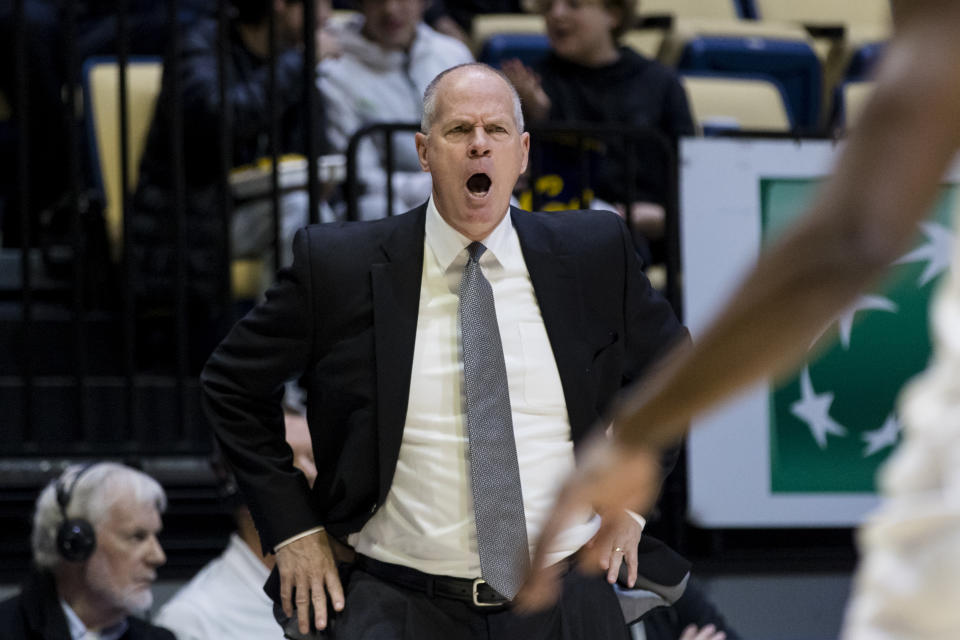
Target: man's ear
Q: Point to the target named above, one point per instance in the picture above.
(421, 139)
(525, 146)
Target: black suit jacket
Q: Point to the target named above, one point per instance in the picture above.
(345, 314)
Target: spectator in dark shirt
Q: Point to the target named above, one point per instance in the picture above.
(589, 77)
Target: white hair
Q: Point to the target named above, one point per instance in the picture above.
(91, 497)
(430, 96)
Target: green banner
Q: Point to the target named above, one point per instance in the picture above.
(834, 424)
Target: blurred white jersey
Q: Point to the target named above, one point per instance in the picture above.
(908, 582)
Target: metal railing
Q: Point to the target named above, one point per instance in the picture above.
(72, 382)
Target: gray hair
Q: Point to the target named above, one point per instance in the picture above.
(91, 498)
(430, 96)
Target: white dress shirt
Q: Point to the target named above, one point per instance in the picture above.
(225, 600)
(78, 630)
(427, 520)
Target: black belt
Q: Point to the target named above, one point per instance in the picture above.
(474, 591)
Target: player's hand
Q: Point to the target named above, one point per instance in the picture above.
(308, 574)
(610, 477)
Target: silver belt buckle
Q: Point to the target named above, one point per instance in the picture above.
(476, 583)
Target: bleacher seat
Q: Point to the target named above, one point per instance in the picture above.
(711, 9)
(529, 48)
(855, 55)
(849, 36)
(646, 42)
(101, 86)
(863, 59)
(490, 24)
(655, 18)
(101, 94)
(780, 52)
(858, 26)
(721, 103)
(850, 99)
(825, 12)
(852, 56)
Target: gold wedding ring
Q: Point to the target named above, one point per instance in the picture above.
(616, 549)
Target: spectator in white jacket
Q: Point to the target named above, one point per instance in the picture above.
(389, 55)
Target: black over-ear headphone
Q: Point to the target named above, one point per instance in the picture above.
(76, 538)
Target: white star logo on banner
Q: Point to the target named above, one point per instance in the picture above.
(936, 251)
(885, 436)
(863, 303)
(845, 319)
(814, 409)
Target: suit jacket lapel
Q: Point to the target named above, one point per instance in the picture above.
(396, 297)
(556, 283)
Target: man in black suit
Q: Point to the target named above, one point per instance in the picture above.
(369, 313)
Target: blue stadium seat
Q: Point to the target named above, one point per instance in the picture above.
(849, 99)
(864, 60)
(101, 93)
(529, 48)
(722, 102)
(793, 64)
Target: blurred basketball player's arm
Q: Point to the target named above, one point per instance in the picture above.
(885, 182)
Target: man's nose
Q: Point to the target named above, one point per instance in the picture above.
(479, 143)
(155, 555)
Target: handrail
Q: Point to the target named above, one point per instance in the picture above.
(352, 184)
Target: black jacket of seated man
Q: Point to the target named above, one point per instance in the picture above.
(35, 614)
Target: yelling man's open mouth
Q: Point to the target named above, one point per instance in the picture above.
(479, 184)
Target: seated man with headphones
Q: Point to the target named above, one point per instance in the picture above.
(95, 555)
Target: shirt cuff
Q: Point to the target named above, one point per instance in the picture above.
(304, 534)
(636, 516)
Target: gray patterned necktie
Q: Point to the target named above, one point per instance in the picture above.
(494, 471)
